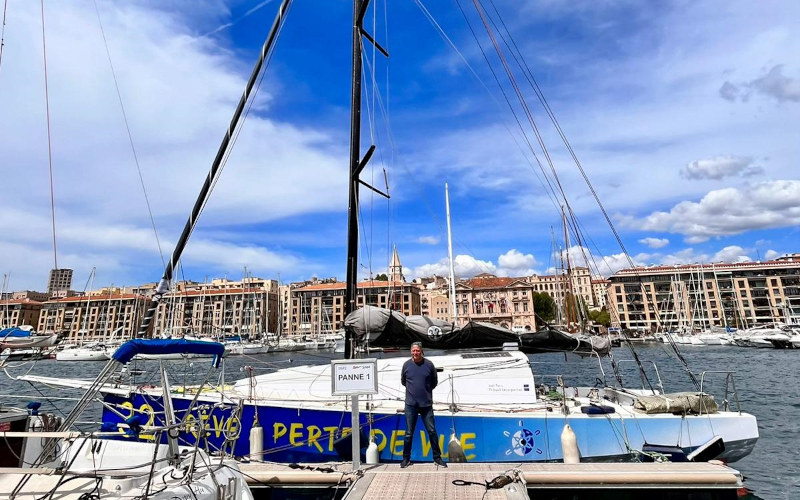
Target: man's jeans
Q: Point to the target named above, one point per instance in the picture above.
(411, 423)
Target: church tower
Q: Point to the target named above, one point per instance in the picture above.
(396, 268)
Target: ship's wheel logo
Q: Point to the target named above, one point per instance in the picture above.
(523, 441)
(434, 332)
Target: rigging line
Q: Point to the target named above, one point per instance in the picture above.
(550, 113)
(452, 45)
(49, 139)
(130, 136)
(549, 188)
(520, 97)
(534, 84)
(240, 126)
(3, 32)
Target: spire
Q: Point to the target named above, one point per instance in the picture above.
(395, 267)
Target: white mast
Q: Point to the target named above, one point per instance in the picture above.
(450, 253)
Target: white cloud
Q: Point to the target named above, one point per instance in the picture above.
(428, 240)
(465, 266)
(771, 255)
(733, 253)
(718, 167)
(180, 91)
(729, 211)
(773, 85)
(604, 265)
(512, 263)
(654, 242)
(515, 263)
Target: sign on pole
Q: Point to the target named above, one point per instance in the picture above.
(354, 376)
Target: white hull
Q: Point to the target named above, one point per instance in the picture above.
(79, 354)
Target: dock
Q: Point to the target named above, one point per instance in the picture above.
(468, 481)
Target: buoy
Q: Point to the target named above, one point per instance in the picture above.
(569, 446)
(256, 442)
(455, 453)
(373, 455)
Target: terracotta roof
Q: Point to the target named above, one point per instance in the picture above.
(226, 291)
(96, 298)
(478, 283)
(11, 302)
(715, 266)
(340, 285)
(600, 282)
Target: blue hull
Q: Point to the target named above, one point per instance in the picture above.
(310, 435)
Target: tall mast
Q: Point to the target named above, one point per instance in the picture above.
(450, 254)
(350, 292)
(164, 285)
(357, 164)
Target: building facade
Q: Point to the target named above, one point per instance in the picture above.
(507, 302)
(60, 280)
(699, 296)
(19, 311)
(248, 308)
(104, 318)
(319, 308)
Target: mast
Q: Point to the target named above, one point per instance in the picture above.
(164, 285)
(357, 164)
(350, 292)
(450, 254)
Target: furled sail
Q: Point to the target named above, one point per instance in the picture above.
(384, 328)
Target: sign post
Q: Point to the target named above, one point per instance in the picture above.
(354, 377)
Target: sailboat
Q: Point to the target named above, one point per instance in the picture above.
(490, 401)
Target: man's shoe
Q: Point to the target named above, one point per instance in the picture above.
(404, 463)
(440, 462)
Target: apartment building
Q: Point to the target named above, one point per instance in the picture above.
(19, 311)
(60, 280)
(109, 317)
(558, 287)
(319, 308)
(221, 307)
(697, 296)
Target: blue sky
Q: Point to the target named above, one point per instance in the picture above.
(683, 114)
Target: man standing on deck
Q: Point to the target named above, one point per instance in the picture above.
(419, 378)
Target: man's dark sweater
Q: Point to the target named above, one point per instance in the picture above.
(419, 380)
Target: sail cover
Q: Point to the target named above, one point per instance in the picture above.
(384, 328)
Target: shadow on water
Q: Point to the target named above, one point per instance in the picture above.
(765, 380)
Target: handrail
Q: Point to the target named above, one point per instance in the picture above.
(655, 367)
(729, 381)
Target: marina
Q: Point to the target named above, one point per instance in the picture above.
(583, 382)
(767, 471)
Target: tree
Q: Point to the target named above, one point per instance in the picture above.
(600, 317)
(544, 306)
(381, 277)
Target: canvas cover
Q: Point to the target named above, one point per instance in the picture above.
(677, 402)
(384, 328)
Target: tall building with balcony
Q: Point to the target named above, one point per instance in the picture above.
(221, 307)
(319, 308)
(102, 317)
(698, 296)
(60, 280)
(19, 311)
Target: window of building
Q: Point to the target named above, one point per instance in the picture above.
(516, 307)
(525, 306)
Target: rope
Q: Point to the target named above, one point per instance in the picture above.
(130, 136)
(3, 32)
(49, 139)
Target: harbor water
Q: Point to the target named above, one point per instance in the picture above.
(765, 380)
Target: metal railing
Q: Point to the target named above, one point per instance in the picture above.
(730, 384)
(660, 384)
